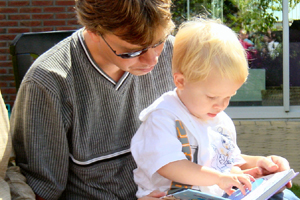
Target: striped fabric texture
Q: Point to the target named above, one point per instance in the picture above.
(72, 124)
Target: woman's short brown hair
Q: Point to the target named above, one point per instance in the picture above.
(135, 21)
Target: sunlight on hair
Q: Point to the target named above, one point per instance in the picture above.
(202, 44)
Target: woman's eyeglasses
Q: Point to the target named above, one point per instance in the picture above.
(135, 53)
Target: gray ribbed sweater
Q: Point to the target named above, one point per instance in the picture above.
(72, 124)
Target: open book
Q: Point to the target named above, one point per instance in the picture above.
(262, 189)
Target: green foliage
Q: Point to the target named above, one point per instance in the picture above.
(197, 7)
(230, 11)
(179, 10)
(278, 4)
(252, 15)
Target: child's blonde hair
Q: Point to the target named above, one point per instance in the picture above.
(203, 44)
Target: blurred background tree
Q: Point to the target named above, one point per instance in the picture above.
(252, 15)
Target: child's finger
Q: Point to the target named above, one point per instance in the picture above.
(241, 187)
(252, 179)
(230, 191)
(246, 181)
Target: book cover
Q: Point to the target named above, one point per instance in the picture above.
(262, 188)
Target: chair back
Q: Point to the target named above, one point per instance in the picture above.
(26, 47)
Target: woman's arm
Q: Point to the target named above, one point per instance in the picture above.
(152, 196)
(258, 166)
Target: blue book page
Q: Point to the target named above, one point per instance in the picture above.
(237, 195)
(189, 194)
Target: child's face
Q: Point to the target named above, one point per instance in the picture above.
(205, 99)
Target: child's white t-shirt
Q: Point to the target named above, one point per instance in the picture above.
(156, 144)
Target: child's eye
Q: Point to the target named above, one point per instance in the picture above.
(212, 98)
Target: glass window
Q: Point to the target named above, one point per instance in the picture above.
(294, 39)
(259, 26)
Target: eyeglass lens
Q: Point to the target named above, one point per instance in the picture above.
(138, 53)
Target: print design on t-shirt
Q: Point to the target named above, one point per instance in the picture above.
(222, 160)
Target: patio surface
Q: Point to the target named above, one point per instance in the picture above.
(275, 137)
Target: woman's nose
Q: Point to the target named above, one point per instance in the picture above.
(150, 57)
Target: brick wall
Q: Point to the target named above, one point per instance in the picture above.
(18, 16)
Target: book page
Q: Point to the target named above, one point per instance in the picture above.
(238, 194)
(277, 180)
(266, 186)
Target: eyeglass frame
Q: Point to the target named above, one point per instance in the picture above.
(135, 53)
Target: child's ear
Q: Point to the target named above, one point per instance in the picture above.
(179, 80)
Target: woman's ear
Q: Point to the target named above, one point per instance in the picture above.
(179, 80)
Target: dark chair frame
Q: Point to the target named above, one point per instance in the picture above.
(28, 46)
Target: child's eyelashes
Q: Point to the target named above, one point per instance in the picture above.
(214, 98)
(211, 97)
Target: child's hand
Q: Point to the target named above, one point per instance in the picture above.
(241, 181)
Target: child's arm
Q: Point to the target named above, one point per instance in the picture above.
(236, 170)
(186, 172)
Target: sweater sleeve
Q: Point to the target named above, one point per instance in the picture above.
(40, 139)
